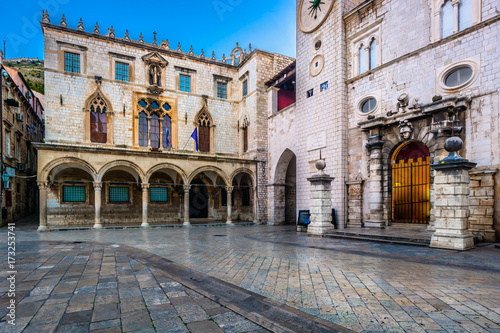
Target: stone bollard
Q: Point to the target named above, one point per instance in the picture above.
(451, 206)
(321, 201)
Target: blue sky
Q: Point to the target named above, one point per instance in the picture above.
(210, 24)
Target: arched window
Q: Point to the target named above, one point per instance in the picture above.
(245, 139)
(98, 120)
(447, 19)
(204, 132)
(155, 131)
(464, 14)
(362, 59)
(373, 54)
(167, 131)
(143, 129)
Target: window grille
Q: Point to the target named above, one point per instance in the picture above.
(71, 62)
(122, 71)
(119, 194)
(158, 194)
(74, 193)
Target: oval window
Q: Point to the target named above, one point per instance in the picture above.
(458, 77)
(369, 105)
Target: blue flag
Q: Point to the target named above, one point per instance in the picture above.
(195, 137)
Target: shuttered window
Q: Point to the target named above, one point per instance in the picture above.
(204, 139)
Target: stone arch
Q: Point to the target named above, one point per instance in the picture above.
(67, 162)
(216, 170)
(282, 166)
(242, 170)
(234, 52)
(162, 166)
(98, 99)
(282, 192)
(122, 165)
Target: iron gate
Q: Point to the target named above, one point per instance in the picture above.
(411, 190)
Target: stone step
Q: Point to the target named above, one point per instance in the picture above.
(380, 238)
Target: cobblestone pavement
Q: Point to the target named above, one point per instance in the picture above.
(87, 287)
(364, 286)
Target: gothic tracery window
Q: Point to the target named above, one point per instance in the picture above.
(204, 132)
(98, 120)
(155, 124)
(143, 129)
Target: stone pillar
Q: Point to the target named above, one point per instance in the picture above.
(255, 205)
(376, 196)
(482, 203)
(229, 190)
(456, 15)
(97, 204)
(276, 204)
(451, 204)
(187, 188)
(321, 201)
(44, 188)
(145, 200)
(355, 204)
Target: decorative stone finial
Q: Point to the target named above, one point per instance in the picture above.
(179, 49)
(165, 44)
(63, 22)
(250, 48)
(45, 16)
(452, 145)
(213, 55)
(191, 51)
(127, 35)
(141, 38)
(154, 39)
(320, 164)
(96, 29)
(237, 44)
(224, 57)
(202, 55)
(80, 25)
(111, 32)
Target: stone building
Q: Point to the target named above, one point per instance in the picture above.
(22, 126)
(119, 120)
(382, 85)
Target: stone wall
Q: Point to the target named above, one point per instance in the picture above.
(482, 202)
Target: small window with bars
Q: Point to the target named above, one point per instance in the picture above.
(119, 194)
(222, 90)
(245, 88)
(185, 83)
(73, 193)
(158, 194)
(122, 71)
(71, 62)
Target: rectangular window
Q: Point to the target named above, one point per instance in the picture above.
(310, 93)
(122, 71)
(245, 88)
(222, 90)
(74, 193)
(17, 150)
(324, 86)
(71, 62)
(158, 194)
(7, 143)
(185, 83)
(119, 194)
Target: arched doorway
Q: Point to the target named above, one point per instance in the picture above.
(282, 192)
(411, 183)
(198, 200)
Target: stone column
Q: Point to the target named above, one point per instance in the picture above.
(376, 199)
(255, 205)
(97, 204)
(187, 188)
(44, 188)
(355, 204)
(145, 200)
(229, 190)
(321, 201)
(451, 206)
(456, 15)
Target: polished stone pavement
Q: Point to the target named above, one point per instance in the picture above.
(364, 286)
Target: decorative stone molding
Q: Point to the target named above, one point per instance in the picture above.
(405, 130)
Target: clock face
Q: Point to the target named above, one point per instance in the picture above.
(312, 13)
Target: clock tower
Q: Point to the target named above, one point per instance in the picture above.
(321, 99)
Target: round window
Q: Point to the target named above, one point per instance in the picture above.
(369, 105)
(317, 45)
(458, 77)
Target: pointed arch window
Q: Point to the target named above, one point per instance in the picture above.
(143, 129)
(204, 132)
(98, 120)
(244, 128)
(362, 59)
(373, 54)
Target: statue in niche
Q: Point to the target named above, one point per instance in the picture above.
(155, 75)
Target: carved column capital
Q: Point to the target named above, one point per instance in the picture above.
(187, 188)
(229, 189)
(97, 186)
(144, 186)
(43, 184)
